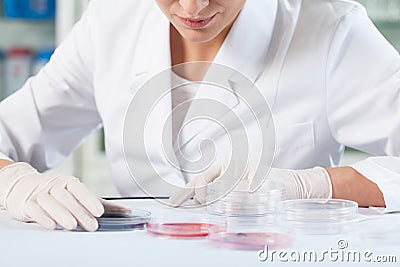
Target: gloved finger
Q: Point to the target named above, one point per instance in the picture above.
(200, 190)
(197, 202)
(86, 220)
(85, 197)
(210, 174)
(111, 208)
(207, 177)
(57, 211)
(196, 188)
(37, 214)
(182, 195)
(200, 198)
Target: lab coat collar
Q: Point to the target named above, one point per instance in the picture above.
(255, 22)
(246, 46)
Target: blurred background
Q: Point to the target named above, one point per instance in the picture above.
(31, 29)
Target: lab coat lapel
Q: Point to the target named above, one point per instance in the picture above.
(246, 46)
(152, 52)
(248, 56)
(153, 56)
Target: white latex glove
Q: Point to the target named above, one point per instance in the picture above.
(48, 199)
(299, 184)
(196, 188)
(303, 184)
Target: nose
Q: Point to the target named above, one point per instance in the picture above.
(194, 7)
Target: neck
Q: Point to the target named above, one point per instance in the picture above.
(183, 51)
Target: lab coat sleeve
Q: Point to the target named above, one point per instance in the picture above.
(53, 112)
(363, 100)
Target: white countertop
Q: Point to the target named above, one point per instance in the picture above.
(23, 244)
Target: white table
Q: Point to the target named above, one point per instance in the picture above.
(24, 244)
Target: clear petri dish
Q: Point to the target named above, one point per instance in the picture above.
(240, 202)
(317, 216)
(126, 221)
(188, 227)
(254, 234)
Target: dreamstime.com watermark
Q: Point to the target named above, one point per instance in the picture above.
(340, 254)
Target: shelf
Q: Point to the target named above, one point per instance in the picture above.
(391, 31)
(25, 21)
(35, 34)
(386, 16)
(383, 11)
(386, 23)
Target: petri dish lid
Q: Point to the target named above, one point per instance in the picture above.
(228, 186)
(122, 213)
(318, 210)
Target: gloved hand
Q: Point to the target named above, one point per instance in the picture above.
(299, 184)
(48, 199)
(196, 188)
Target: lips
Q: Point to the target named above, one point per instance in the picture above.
(196, 23)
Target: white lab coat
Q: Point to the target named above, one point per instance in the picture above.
(328, 74)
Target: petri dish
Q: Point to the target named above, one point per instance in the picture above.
(193, 227)
(254, 236)
(126, 221)
(240, 202)
(317, 216)
(247, 221)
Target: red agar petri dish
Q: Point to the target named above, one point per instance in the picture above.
(179, 230)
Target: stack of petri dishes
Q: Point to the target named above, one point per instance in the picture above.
(239, 202)
(127, 220)
(247, 221)
(317, 216)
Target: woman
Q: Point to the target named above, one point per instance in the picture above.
(332, 78)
